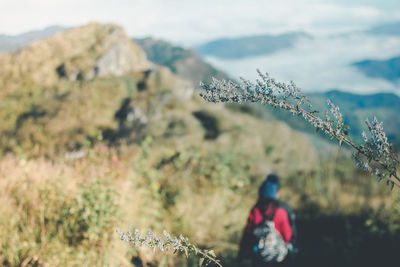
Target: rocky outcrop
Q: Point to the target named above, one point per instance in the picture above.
(77, 54)
(119, 59)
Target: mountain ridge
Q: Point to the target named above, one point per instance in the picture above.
(186, 63)
(388, 69)
(92, 50)
(248, 46)
(13, 43)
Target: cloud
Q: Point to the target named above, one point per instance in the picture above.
(190, 22)
(367, 12)
(322, 63)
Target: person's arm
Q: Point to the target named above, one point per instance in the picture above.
(292, 220)
(247, 238)
(282, 224)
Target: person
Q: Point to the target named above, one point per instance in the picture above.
(268, 207)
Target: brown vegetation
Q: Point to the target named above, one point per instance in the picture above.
(83, 157)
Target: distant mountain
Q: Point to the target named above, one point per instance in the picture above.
(12, 43)
(386, 29)
(385, 69)
(353, 102)
(249, 46)
(185, 63)
(355, 109)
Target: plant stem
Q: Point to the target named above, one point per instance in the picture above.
(350, 143)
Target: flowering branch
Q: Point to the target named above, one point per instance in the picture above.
(175, 244)
(374, 155)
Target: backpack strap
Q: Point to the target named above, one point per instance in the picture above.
(262, 211)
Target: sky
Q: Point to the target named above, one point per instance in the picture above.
(189, 22)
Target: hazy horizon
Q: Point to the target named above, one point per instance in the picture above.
(192, 22)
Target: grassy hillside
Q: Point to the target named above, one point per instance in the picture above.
(62, 113)
(60, 92)
(97, 138)
(249, 46)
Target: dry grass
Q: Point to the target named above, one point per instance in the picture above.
(41, 201)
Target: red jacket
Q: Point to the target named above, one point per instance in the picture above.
(280, 219)
(255, 218)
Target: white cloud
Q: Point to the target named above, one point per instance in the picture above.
(367, 12)
(190, 22)
(321, 64)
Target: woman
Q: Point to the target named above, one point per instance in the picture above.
(267, 208)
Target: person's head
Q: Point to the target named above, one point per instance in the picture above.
(269, 188)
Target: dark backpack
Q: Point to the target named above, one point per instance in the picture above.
(270, 246)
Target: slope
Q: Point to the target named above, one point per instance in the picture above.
(92, 83)
(186, 63)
